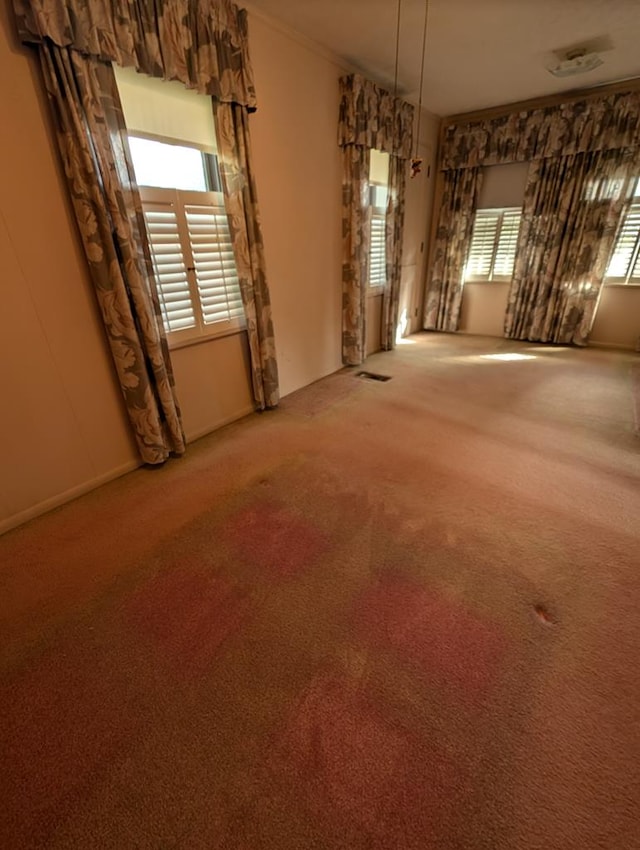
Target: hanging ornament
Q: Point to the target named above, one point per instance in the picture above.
(416, 162)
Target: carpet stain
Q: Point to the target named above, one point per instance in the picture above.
(439, 636)
(273, 539)
(359, 772)
(187, 616)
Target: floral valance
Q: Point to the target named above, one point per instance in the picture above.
(374, 118)
(605, 123)
(202, 43)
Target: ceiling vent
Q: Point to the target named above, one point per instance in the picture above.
(577, 61)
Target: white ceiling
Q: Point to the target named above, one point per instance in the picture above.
(480, 53)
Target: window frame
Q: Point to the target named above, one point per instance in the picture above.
(629, 278)
(180, 199)
(491, 276)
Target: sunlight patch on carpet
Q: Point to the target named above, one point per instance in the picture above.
(508, 356)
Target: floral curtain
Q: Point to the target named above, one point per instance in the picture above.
(202, 43)
(565, 237)
(370, 118)
(581, 126)
(373, 118)
(234, 156)
(453, 239)
(92, 139)
(572, 206)
(394, 228)
(356, 223)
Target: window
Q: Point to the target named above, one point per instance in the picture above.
(172, 141)
(189, 239)
(378, 194)
(624, 265)
(493, 244)
(377, 247)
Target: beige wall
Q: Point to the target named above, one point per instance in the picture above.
(212, 382)
(62, 426)
(618, 318)
(483, 308)
(298, 171)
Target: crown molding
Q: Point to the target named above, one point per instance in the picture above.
(630, 85)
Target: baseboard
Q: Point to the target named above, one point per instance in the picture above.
(593, 343)
(87, 486)
(191, 437)
(66, 496)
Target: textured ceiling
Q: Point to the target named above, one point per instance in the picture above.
(480, 53)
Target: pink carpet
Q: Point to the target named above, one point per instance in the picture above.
(387, 616)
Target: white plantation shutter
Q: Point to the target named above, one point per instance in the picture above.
(505, 254)
(193, 259)
(624, 265)
(170, 267)
(377, 250)
(214, 263)
(493, 244)
(483, 242)
(378, 194)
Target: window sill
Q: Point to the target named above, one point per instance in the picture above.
(619, 285)
(491, 281)
(199, 340)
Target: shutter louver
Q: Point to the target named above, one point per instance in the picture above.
(214, 263)
(170, 267)
(507, 242)
(483, 242)
(494, 241)
(377, 250)
(625, 260)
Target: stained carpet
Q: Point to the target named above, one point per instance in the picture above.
(387, 615)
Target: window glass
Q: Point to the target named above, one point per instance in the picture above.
(168, 166)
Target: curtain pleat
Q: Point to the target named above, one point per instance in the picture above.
(373, 118)
(356, 223)
(92, 139)
(572, 207)
(241, 202)
(585, 125)
(453, 239)
(394, 229)
(202, 43)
